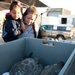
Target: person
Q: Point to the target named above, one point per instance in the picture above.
(13, 24)
(29, 18)
(7, 18)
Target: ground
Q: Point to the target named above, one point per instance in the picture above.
(70, 40)
(1, 41)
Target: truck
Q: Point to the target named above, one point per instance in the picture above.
(59, 31)
(61, 27)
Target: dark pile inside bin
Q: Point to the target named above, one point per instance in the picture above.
(31, 66)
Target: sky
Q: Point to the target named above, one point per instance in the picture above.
(67, 4)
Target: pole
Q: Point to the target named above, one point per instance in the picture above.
(11, 1)
(43, 13)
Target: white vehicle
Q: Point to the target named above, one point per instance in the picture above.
(60, 31)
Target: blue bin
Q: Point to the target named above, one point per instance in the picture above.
(49, 52)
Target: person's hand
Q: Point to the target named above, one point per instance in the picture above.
(23, 29)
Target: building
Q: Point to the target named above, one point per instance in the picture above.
(58, 11)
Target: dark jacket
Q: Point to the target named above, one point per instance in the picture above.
(12, 29)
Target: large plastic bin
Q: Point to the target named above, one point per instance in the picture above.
(49, 52)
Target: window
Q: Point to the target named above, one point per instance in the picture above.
(63, 20)
(73, 22)
(47, 27)
(61, 28)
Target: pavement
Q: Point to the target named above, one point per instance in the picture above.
(1, 41)
(70, 40)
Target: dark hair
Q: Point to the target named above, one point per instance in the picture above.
(14, 4)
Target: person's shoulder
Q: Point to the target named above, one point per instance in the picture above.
(8, 16)
(9, 23)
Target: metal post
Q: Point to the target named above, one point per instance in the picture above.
(11, 1)
(43, 13)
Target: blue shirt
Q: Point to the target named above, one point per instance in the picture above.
(28, 33)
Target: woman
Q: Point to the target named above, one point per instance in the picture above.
(29, 18)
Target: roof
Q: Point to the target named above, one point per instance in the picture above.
(5, 4)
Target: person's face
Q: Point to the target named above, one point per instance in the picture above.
(29, 18)
(15, 12)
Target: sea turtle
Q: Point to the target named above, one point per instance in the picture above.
(27, 66)
(52, 69)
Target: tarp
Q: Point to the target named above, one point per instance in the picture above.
(4, 4)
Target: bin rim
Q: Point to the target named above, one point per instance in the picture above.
(67, 64)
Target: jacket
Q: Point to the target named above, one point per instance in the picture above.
(12, 29)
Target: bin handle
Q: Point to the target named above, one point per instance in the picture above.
(48, 43)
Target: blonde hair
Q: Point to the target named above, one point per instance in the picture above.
(31, 9)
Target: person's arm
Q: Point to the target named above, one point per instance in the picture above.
(11, 30)
(23, 26)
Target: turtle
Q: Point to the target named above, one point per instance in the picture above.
(28, 66)
(52, 69)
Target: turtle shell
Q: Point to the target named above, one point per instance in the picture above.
(27, 66)
(52, 69)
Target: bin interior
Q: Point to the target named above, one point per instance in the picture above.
(72, 69)
(69, 68)
(49, 52)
